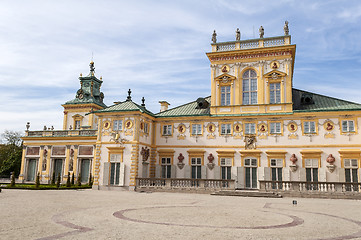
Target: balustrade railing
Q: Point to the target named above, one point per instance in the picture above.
(310, 186)
(58, 133)
(252, 43)
(185, 183)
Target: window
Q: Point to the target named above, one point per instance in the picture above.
(226, 164)
(196, 129)
(117, 125)
(309, 127)
(166, 167)
(276, 172)
(311, 166)
(225, 95)
(146, 127)
(275, 93)
(115, 168)
(250, 128)
(250, 165)
(167, 130)
(275, 128)
(249, 87)
(226, 128)
(348, 126)
(351, 175)
(196, 168)
(77, 124)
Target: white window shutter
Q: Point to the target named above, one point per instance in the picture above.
(203, 172)
(121, 174)
(240, 177)
(172, 171)
(106, 173)
(267, 174)
(158, 171)
(234, 173)
(187, 171)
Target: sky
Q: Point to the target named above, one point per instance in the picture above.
(157, 49)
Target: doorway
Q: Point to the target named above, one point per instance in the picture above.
(85, 170)
(250, 165)
(58, 167)
(31, 170)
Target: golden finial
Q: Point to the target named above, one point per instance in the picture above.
(81, 74)
(101, 78)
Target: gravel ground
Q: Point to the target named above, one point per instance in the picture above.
(90, 214)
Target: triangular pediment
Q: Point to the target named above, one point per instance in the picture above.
(225, 77)
(275, 74)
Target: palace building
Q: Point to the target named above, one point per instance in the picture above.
(254, 131)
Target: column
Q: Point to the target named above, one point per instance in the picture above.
(21, 176)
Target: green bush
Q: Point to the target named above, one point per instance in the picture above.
(68, 184)
(72, 179)
(53, 179)
(90, 183)
(78, 181)
(58, 181)
(37, 181)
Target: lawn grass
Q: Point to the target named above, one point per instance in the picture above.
(42, 186)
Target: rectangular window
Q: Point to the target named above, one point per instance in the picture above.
(226, 129)
(275, 93)
(196, 129)
(166, 167)
(114, 173)
(167, 130)
(196, 168)
(250, 128)
(275, 128)
(77, 124)
(348, 126)
(311, 166)
(146, 126)
(225, 95)
(309, 127)
(117, 125)
(276, 172)
(226, 164)
(249, 91)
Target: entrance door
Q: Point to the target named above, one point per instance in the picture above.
(58, 167)
(250, 165)
(85, 169)
(31, 170)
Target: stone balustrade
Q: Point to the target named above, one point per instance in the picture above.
(251, 44)
(60, 133)
(324, 187)
(185, 183)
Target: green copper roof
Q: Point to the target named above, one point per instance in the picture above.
(188, 109)
(125, 106)
(320, 103)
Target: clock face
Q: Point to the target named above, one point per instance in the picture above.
(81, 96)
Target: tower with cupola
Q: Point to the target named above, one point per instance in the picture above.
(78, 112)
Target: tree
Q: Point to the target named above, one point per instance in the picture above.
(68, 183)
(58, 181)
(72, 178)
(53, 179)
(10, 153)
(90, 183)
(12, 183)
(78, 181)
(37, 181)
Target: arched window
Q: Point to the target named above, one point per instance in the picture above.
(249, 95)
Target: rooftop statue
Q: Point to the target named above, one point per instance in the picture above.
(261, 32)
(238, 35)
(286, 29)
(214, 37)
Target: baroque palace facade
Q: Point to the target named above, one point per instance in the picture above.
(255, 127)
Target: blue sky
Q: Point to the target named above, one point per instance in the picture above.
(157, 48)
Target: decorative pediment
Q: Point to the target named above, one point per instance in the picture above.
(225, 78)
(275, 74)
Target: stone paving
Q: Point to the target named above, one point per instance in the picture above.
(90, 214)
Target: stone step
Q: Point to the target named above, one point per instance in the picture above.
(245, 193)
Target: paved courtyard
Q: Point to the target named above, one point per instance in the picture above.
(89, 214)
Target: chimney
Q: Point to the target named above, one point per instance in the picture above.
(163, 106)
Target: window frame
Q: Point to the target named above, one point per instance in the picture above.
(249, 124)
(169, 132)
(225, 96)
(347, 130)
(271, 128)
(228, 128)
(117, 121)
(275, 91)
(197, 125)
(309, 132)
(249, 90)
